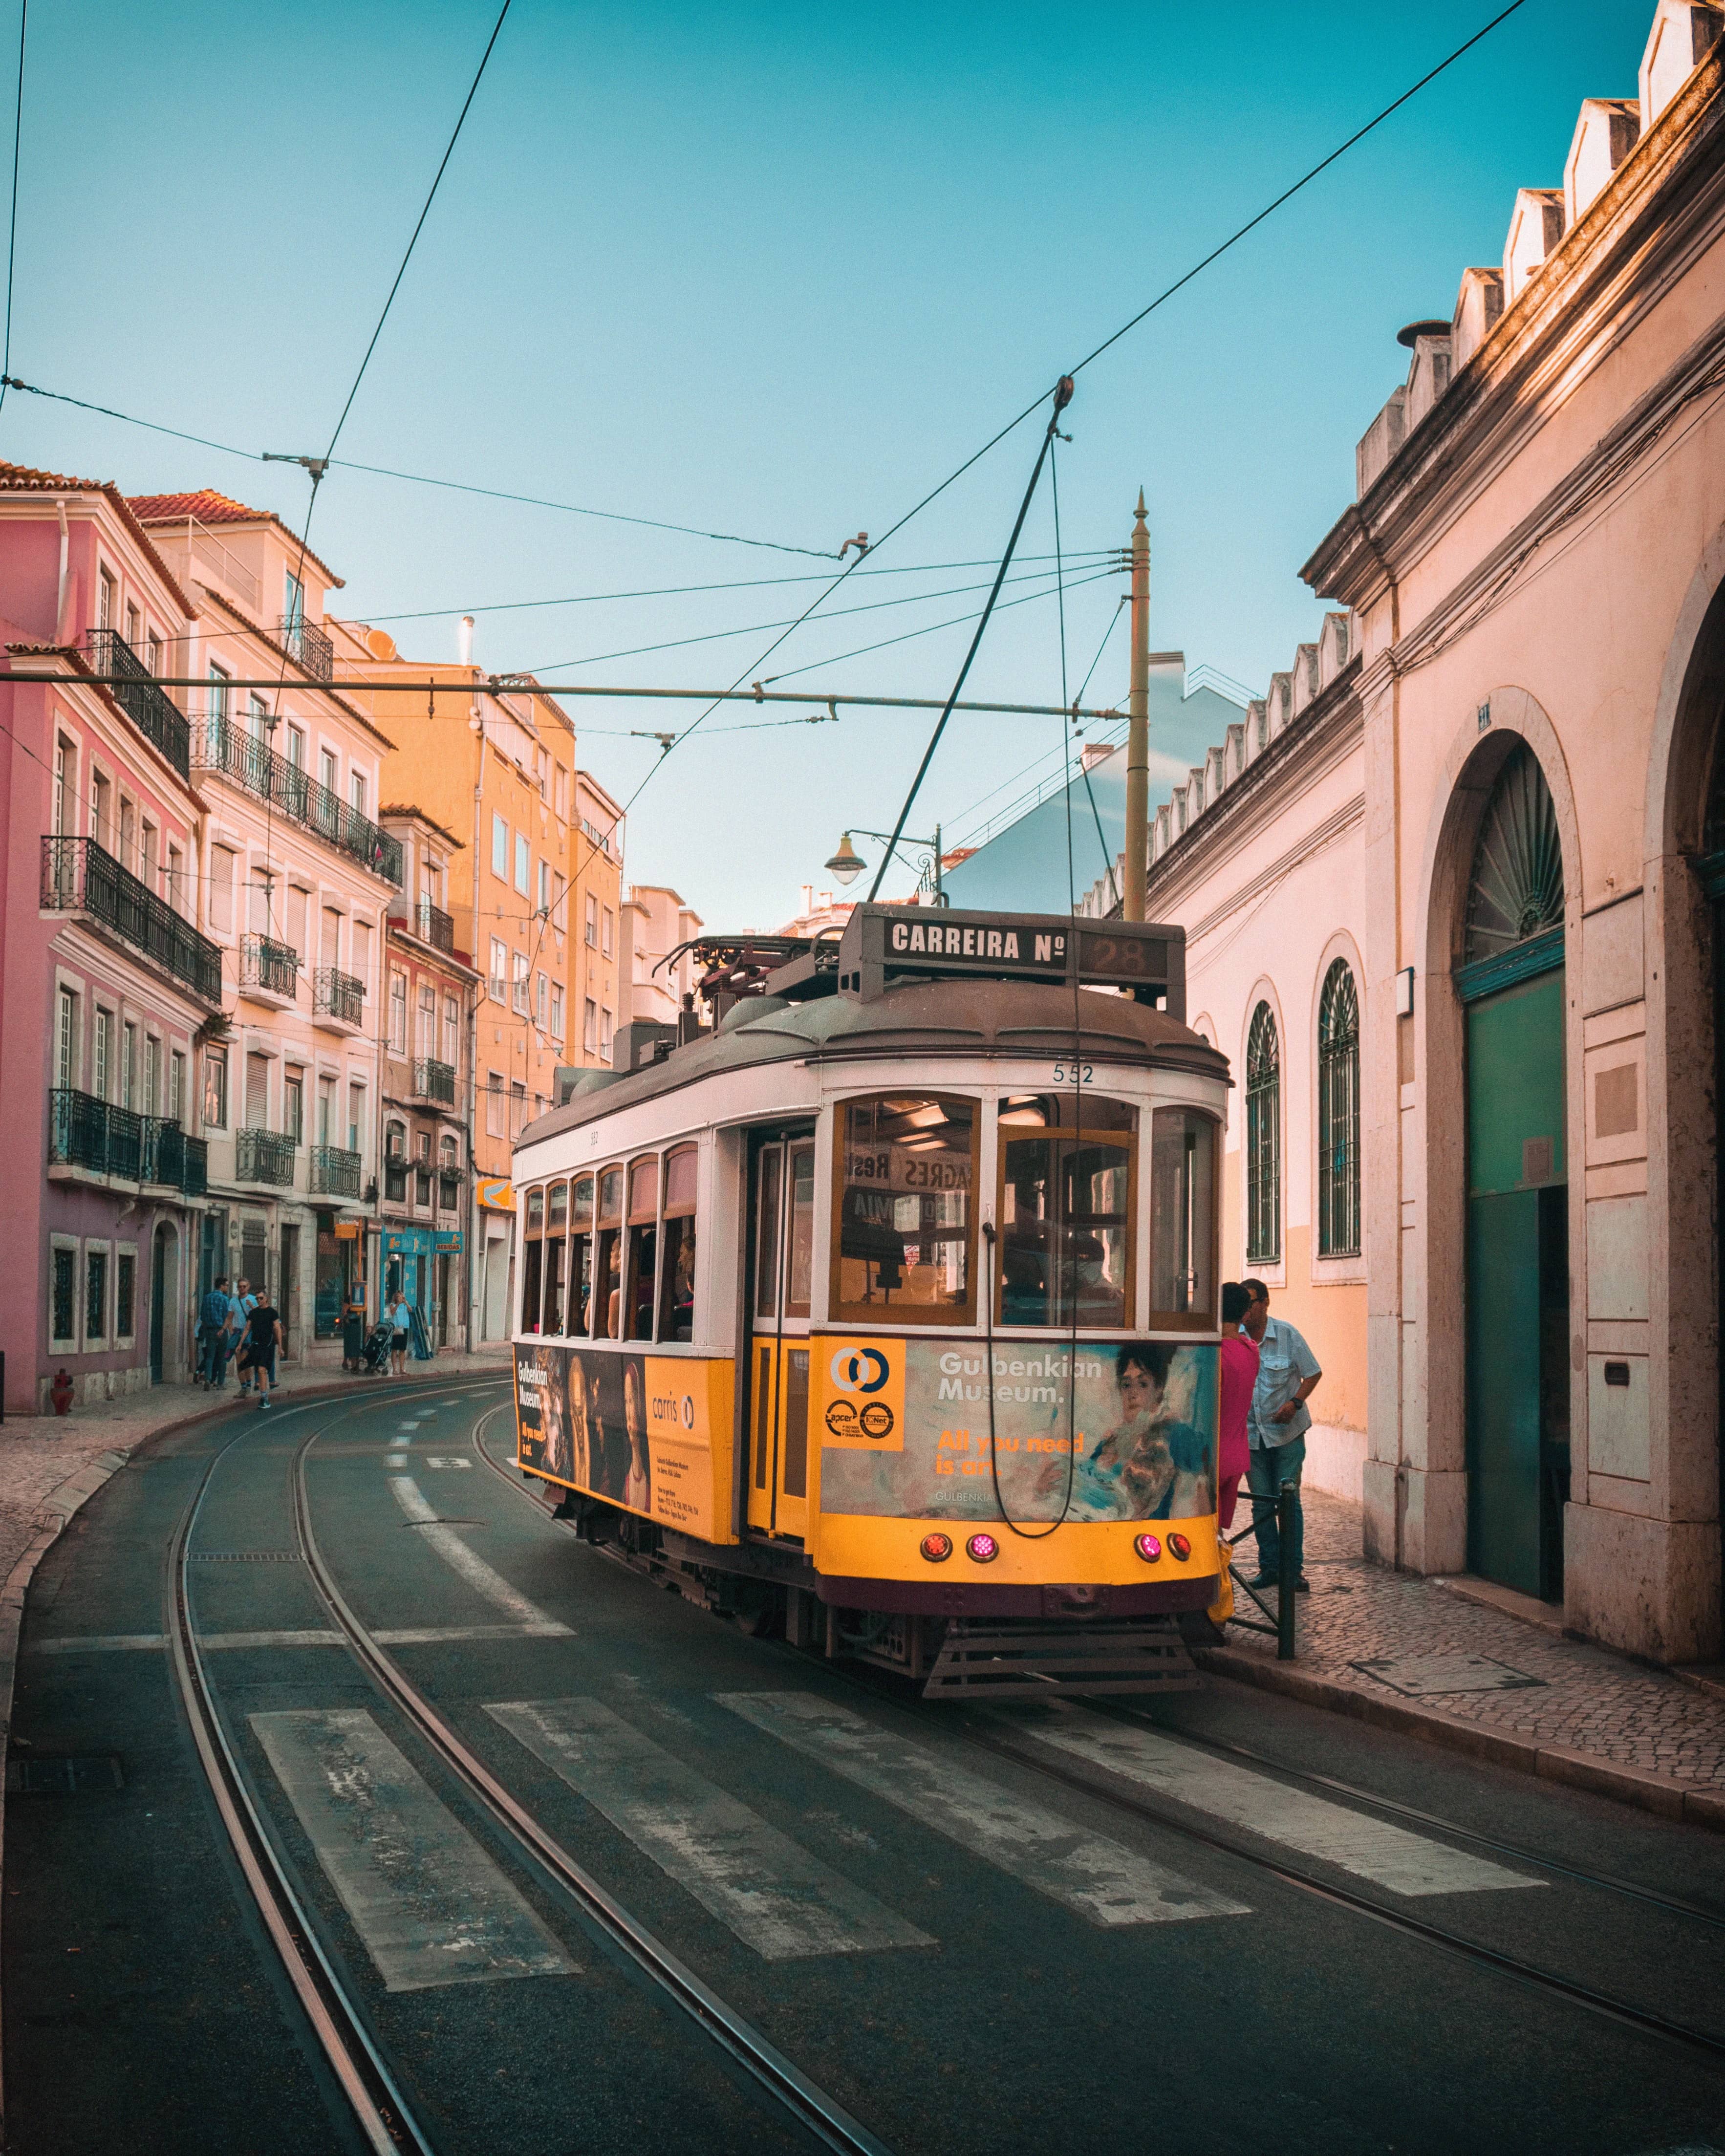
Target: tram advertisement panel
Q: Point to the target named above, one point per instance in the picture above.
(635, 1430)
(905, 1435)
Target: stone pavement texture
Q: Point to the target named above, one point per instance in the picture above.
(1586, 1700)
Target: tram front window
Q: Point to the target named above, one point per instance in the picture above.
(906, 1240)
(1182, 1214)
(581, 1258)
(1067, 1170)
(676, 1301)
(608, 1266)
(532, 1256)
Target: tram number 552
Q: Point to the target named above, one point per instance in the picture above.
(1075, 1073)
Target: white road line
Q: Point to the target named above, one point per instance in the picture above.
(397, 1459)
(445, 1459)
(98, 1643)
(427, 1636)
(1104, 1882)
(472, 1568)
(776, 1897)
(430, 1906)
(1370, 1848)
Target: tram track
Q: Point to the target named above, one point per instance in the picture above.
(1513, 1967)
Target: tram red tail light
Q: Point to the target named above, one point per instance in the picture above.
(1179, 1546)
(984, 1548)
(1147, 1548)
(936, 1548)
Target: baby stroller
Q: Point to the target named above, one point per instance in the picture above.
(374, 1357)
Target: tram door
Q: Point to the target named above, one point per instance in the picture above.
(782, 1193)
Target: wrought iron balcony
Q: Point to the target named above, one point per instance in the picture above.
(335, 1172)
(264, 964)
(336, 994)
(261, 1155)
(435, 1081)
(87, 1131)
(433, 926)
(220, 746)
(306, 641)
(149, 707)
(195, 1183)
(164, 1152)
(79, 876)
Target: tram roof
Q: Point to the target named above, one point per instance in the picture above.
(914, 1020)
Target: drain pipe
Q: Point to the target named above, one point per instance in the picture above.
(59, 597)
(475, 720)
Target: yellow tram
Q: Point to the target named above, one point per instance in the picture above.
(885, 1306)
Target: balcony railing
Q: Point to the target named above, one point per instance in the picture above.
(306, 641)
(338, 995)
(435, 1081)
(79, 876)
(264, 964)
(335, 1172)
(261, 1155)
(85, 1131)
(433, 926)
(150, 708)
(220, 746)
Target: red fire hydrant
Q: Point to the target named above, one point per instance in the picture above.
(60, 1392)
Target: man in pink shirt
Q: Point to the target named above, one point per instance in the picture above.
(1239, 1375)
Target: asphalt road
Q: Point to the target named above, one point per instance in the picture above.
(961, 1926)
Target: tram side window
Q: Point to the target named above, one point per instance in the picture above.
(581, 1258)
(676, 1292)
(1182, 1216)
(532, 1260)
(608, 1264)
(1068, 1172)
(641, 1271)
(904, 1241)
(556, 1222)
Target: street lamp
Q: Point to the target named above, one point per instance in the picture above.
(847, 864)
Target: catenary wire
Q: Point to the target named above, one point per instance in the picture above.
(18, 133)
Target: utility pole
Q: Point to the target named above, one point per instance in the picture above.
(1137, 751)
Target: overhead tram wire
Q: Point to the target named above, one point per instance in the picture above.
(18, 133)
(1054, 481)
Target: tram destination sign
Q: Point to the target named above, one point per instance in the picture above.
(881, 942)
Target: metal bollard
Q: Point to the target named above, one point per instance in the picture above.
(1286, 1575)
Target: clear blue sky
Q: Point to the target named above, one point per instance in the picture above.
(772, 271)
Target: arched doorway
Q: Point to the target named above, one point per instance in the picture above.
(164, 1301)
(1511, 987)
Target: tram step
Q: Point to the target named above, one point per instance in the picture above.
(1004, 1660)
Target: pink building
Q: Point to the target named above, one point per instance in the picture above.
(106, 987)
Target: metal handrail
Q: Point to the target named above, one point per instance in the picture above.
(435, 1081)
(264, 1156)
(84, 1131)
(304, 642)
(433, 926)
(338, 995)
(79, 876)
(264, 964)
(1281, 1625)
(335, 1172)
(149, 707)
(220, 746)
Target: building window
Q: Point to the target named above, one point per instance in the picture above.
(176, 879)
(557, 1013)
(518, 986)
(590, 1026)
(293, 1105)
(96, 1297)
(215, 1088)
(356, 791)
(105, 599)
(1338, 1177)
(559, 911)
(494, 1104)
(103, 1052)
(221, 889)
(66, 1041)
(500, 969)
(126, 1269)
(426, 1047)
(398, 1013)
(326, 769)
(257, 718)
(128, 1063)
(355, 1115)
(1263, 1139)
(541, 999)
(499, 848)
(610, 929)
(452, 1032)
(65, 794)
(216, 704)
(523, 863)
(293, 602)
(176, 1085)
(395, 1162)
(604, 1032)
(62, 1297)
(591, 930)
(296, 747)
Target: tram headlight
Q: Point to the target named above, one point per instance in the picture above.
(1179, 1546)
(936, 1548)
(984, 1548)
(1147, 1548)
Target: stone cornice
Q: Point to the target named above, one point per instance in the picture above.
(1663, 206)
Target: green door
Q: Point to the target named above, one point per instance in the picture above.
(1517, 1287)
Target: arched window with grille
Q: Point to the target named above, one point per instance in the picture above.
(1338, 1180)
(1263, 1139)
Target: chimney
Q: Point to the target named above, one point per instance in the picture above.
(807, 889)
(464, 641)
(1094, 752)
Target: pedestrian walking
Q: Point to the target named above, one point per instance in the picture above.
(1239, 1377)
(214, 1338)
(1288, 1372)
(262, 1335)
(248, 1303)
(396, 1318)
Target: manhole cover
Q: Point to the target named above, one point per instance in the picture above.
(62, 1777)
(1418, 1675)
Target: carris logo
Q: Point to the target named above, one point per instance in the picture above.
(860, 1370)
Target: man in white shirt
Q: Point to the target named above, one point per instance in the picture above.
(1276, 1424)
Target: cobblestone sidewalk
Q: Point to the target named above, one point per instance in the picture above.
(1576, 1702)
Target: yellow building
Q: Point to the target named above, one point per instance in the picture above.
(535, 893)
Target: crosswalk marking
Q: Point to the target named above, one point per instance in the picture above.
(776, 1897)
(397, 1459)
(1370, 1848)
(430, 1906)
(1106, 1882)
(446, 1459)
(471, 1566)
